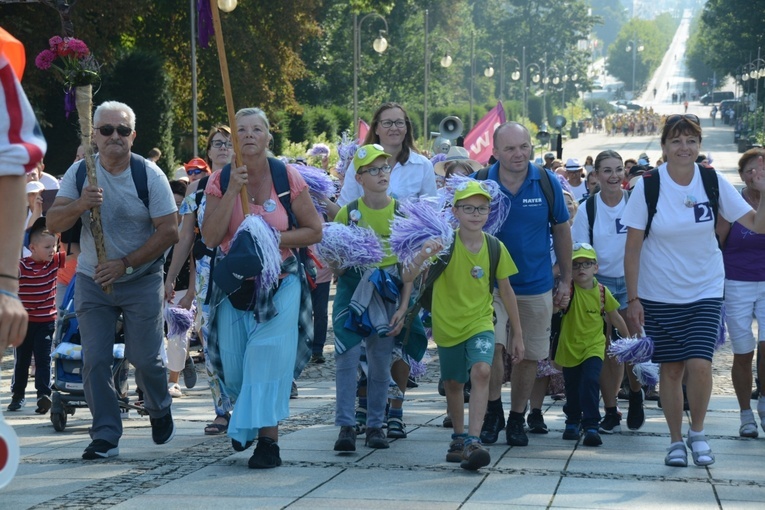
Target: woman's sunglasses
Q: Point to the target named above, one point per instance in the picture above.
(195, 171)
(673, 119)
(108, 130)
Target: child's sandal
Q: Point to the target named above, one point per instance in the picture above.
(702, 453)
(676, 460)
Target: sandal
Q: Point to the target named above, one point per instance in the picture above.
(676, 460)
(216, 429)
(702, 453)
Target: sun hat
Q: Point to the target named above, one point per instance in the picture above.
(197, 163)
(573, 165)
(456, 154)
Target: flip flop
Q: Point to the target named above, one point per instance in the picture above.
(216, 429)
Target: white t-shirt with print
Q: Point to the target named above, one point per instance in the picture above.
(608, 234)
(680, 261)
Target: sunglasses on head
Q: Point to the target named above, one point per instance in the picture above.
(195, 171)
(108, 130)
(673, 119)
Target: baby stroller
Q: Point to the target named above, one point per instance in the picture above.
(68, 391)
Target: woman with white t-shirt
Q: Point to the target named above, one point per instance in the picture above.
(608, 237)
(675, 278)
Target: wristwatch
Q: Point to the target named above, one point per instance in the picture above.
(128, 267)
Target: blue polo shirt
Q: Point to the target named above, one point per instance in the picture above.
(526, 232)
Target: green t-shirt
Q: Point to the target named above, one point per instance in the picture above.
(377, 220)
(462, 303)
(581, 333)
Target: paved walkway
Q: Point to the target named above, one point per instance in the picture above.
(197, 471)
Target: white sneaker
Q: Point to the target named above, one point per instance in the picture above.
(174, 390)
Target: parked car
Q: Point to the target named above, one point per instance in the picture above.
(629, 105)
(716, 97)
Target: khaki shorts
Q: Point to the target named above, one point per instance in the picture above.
(536, 313)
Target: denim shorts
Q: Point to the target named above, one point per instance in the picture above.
(456, 361)
(618, 288)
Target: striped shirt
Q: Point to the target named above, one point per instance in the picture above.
(37, 287)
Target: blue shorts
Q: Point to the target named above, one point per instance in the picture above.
(618, 288)
(456, 361)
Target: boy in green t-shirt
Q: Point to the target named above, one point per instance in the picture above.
(582, 344)
(374, 210)
(463, 326)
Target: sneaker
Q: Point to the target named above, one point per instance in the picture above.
(100, 449)
(492, 424)
(174, 389)
(318, 359)
(572, 432)
(43, 404)
(346, 440)
(162, 429)
(652, 394)
(515, 434)
(611, 423)
(396, 428)
(16, 403)
(189, 373)
(592, 438)
(635, 411)
(536, 422)
(266, 454)
(361, 421)
(475, 456)
(454, 454)
(293, 391)
(376, 438)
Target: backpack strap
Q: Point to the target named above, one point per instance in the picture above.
(281, 182)
(137, 172)
(591, 208)
(494, 254)
(712, 189)
(651, 191)
(200, 193)
(544, 182)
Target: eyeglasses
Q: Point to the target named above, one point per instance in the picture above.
(399, 123)
(108, 130)
(195, 171)
(220, 144)
(673, 119)
(583, 265)
(375, 170)
(483, 210)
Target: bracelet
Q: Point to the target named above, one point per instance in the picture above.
(633, 299)
(9, 294)
(9, 276)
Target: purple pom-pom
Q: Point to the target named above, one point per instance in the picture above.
(318, 150)
(420, 222)
(545, 368)
(268, 244)
(631, 350)
(500, 204)
(418, 369)
(564, 183)
(721, 333)
(179, 321)
(320, 185)
(345, 246)
(345, 151)
(647, 373)
(438, 158)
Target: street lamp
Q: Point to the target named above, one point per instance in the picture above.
(754, 70)
(446, 61)
(634, 46)
(380, 45)
(488, 72)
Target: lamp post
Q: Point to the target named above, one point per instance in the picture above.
(515, 75)
(634, 46)
(446, 61)
(545, 81)
(380, 45)
(565, 78)
(488, 72)
(755, 70)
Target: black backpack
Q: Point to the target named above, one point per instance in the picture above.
(651, 186)
(137, 171)
(591, 207)
(425, 297)
(545, 184)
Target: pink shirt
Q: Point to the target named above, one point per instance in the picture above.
(276, 218)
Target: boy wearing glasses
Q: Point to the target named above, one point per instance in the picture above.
(374, 210)
(463, 321)
(582, 344)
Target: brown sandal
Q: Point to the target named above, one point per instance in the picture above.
(216, 429)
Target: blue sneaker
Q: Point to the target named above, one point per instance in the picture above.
(572, 432)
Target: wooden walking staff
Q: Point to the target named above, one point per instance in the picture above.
(229, 99)
(84, 103)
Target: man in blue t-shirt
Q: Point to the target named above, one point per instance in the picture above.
(526, 234)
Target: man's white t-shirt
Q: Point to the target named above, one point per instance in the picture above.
(579, 191)
(608, 234)
(680, 261)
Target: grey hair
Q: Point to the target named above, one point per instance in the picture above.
(114, 106)
(244, 112)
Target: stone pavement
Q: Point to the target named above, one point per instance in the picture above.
(197, 471)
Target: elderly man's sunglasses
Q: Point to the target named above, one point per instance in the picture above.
(108, 130)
